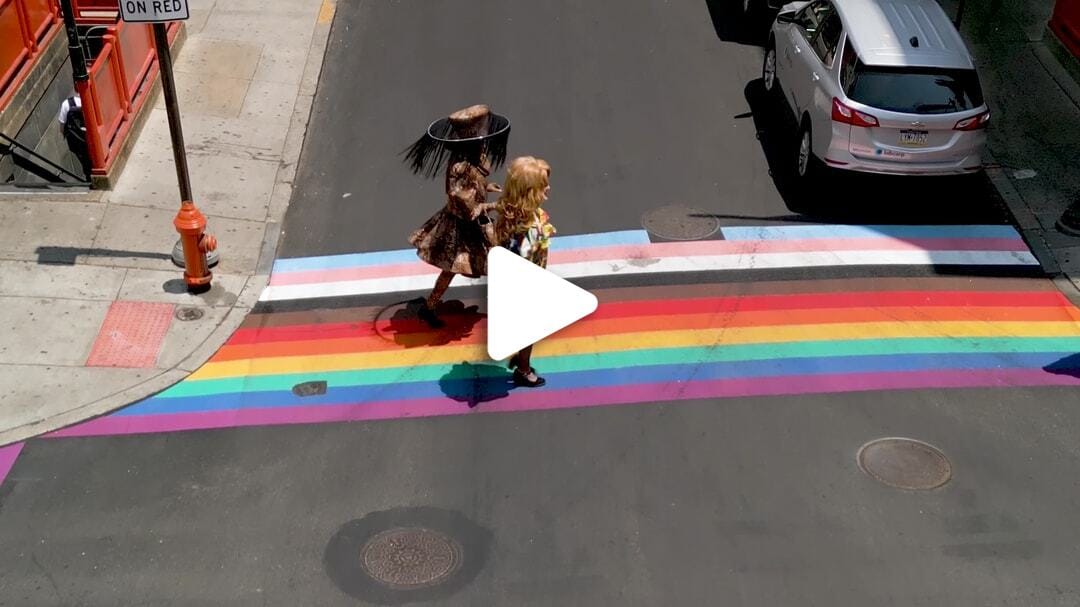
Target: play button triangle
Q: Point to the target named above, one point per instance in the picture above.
(526, 303)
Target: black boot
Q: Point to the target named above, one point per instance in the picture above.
(427, 315)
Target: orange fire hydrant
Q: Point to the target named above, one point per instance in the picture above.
(191, 224)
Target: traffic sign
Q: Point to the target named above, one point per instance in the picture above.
(526, 303)
(153, 11)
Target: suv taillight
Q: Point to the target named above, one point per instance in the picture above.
(847, 115)
(974, 123)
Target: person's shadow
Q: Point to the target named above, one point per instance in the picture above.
(1070, 365)
(407, 329)
(475, 384)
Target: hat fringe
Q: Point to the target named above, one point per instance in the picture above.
(428, 155)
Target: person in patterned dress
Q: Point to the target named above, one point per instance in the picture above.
(525, 228)
(456, 239)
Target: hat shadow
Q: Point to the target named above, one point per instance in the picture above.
(408, 330)
(476, 383)
(1070, 365)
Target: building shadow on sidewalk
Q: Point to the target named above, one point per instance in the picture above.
(405, 327)
(475, 384)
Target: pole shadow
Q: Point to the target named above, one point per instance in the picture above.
(477, 383)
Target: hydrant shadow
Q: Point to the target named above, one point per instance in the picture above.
(475, 384)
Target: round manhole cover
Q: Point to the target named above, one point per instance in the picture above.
(677, 222)
(905, 463)
(406, 555)
(411, 557)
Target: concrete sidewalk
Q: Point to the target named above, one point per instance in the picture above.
(94, 314)
(1034, 137)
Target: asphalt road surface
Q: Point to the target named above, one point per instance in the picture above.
(753, 499)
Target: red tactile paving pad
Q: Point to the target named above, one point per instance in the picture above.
(131, 335)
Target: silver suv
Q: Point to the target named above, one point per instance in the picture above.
(880, 86)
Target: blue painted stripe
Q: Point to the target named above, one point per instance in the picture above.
(353, 260)
(464, 383)
(848, 231)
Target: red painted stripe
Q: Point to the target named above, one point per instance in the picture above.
(721, 305)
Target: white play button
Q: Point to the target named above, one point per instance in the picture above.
(526, 303)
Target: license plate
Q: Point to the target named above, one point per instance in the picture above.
(913, 138)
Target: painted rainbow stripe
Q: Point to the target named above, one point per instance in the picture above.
(631, 253)
(652, 349)
(643, 344)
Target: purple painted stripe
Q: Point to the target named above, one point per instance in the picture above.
(573, 398)
(8, 455)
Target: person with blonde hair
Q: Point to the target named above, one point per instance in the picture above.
(526, 229)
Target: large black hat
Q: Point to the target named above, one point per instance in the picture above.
(473, 126)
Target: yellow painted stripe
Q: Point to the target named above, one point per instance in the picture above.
(637, 341)
(326, 12)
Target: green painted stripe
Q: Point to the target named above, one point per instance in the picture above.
(638, 358)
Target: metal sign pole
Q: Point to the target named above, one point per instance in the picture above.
(189, 222)
(172, 109)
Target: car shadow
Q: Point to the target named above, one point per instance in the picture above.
(732, 25)
(859, 198)
(473, 384)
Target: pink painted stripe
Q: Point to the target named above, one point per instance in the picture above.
(8, 455)
(676, 249)
(569, 399)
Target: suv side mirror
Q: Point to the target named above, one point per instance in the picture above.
(785, 18)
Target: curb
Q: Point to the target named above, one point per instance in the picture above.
(248, 296)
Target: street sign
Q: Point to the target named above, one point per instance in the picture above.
(153, 11)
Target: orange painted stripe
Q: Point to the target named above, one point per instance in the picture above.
(677, 322)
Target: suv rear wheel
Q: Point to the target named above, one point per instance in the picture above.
(768, 68)
(806, 165)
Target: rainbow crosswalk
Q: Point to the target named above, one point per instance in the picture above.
(646, 343)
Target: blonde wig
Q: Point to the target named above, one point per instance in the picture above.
(523, 193)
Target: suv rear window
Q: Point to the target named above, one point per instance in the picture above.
(914, 90)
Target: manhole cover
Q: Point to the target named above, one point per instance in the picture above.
(185, 314)
(406, 555)
(411, 557)
(680, 223)
(905, 463)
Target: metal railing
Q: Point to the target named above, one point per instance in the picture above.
(32, 22)
(45, 165)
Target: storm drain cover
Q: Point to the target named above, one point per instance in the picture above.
(677, 222)
(406, 555)
(410, 557)
(905, 463)
(188, 313)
